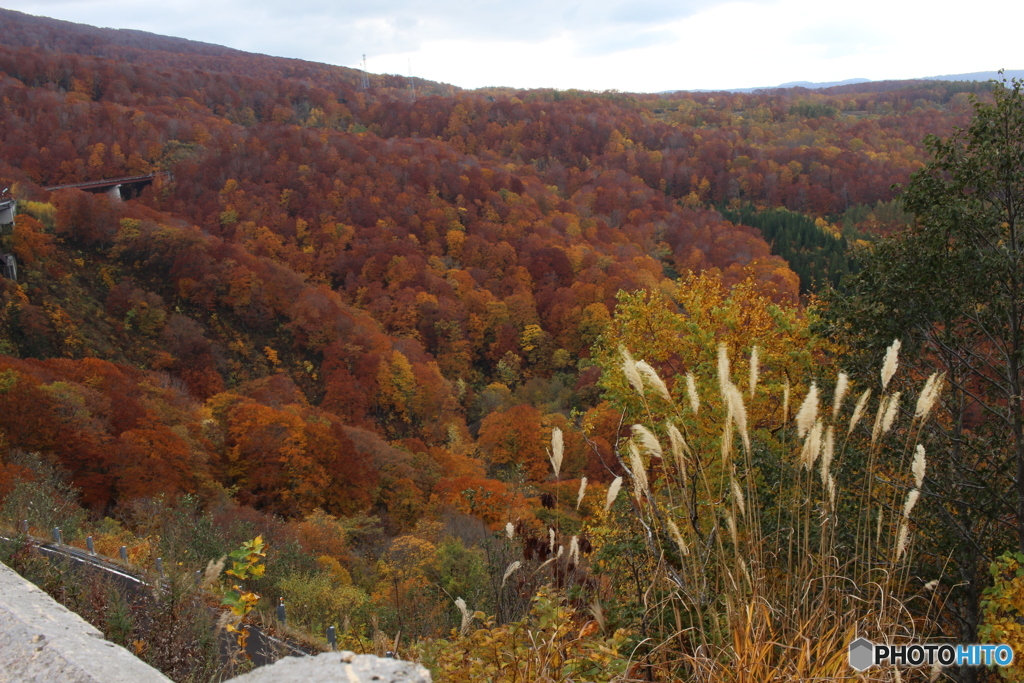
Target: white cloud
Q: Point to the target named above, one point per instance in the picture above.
(645, 45)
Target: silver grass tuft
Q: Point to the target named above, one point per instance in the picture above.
(808, 413)
(891, 362)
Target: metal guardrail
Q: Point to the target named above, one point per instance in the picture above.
(57, 548)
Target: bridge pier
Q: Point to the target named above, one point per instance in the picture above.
(115, 193)
(7, 210)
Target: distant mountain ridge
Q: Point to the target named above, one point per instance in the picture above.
(824, 85)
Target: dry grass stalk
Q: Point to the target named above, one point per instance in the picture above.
(582, 492)
(891, 362)
(557, 450)
(929, 395)
(890, 412)
(754, 368)
(654, 380)
(842, 385)
(808, 413)
(691, 392)
(858, 410)
(629, 369)
(647, 440)
(509, 571)
(918, 466)
(613, 493)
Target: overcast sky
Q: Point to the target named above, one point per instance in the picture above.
(640, 46)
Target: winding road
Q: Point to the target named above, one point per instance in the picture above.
(262, 647)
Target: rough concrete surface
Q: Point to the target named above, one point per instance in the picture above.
(337, 667)
(41, 640)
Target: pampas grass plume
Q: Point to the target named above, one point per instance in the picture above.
(901, 539)
(582, 492)
(737, 495)
(929, 395)
(648, 440)
(654, 380)
(877, 429)
(629, 369)
(212, 572)
(509, 571)
(808, 413)
(673, 531)
(551, 539)
(510, 530)
(785, 402)
(890, 412)
(812, 446)
(691, 392)
(842, 384)
(639, 471)
(613, 493)
(738, 411)
(679, 447)
(826, 455)
(466, 618)
(754, 368)
(858, 410)
(911, 501)
(918, 466)
(574, 550)
(892, 361)
(557, 450)
(723, 367)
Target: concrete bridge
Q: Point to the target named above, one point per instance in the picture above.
(118, 188)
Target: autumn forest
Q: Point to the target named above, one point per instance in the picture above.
(482, 364)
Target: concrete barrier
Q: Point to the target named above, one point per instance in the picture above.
(43, 641)
(333, 667)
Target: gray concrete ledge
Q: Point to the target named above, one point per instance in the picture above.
(41, 640)
(335, 667)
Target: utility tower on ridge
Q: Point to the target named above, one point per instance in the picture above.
(365, 80)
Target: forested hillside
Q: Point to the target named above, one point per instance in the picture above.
(351, 316)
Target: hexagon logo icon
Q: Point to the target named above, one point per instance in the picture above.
(862, 654)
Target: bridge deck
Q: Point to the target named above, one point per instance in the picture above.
(106, 182)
